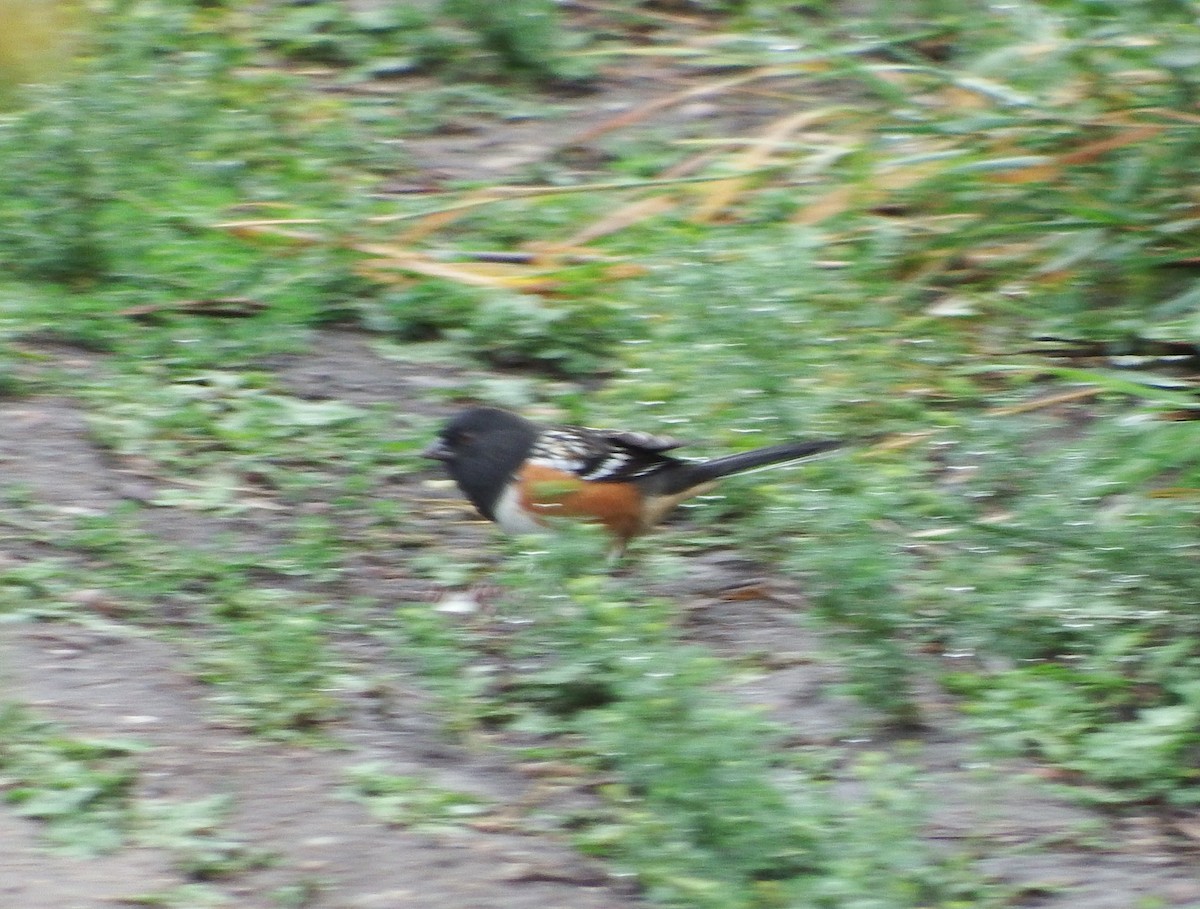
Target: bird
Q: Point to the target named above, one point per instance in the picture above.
(522, 475)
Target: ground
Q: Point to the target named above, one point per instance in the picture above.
(116, 680)
(112, 678)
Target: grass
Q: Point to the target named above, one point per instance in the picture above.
(881, 264)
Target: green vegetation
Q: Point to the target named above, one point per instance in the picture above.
(83, 789)
(703, 804)
(206, 186)
(407, 801)
(79, 787)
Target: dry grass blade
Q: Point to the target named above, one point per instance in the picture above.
(901, 441)
(494, 194)
(436, 220)
(252, 230)
(1039, 170)
(391, 258)
(431, 220)
(833, 203)
(1066, 397)
(721, 195)
(638, 114)
(640, 209)
(624, 217)
(1085, 154)
(1177, 115)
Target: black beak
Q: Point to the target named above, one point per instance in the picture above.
(438, 451)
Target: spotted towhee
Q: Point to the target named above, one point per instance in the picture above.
(519, 473)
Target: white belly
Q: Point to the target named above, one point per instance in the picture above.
(511, 517)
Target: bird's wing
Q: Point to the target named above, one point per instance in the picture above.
(604, 455)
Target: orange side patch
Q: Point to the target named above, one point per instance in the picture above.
(558, 494)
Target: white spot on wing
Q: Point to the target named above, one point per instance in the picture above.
(592, 455)
(561, 450)
(610, 466)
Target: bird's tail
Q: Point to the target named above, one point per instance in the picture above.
(770, 456)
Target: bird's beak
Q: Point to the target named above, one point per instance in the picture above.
(438, 451)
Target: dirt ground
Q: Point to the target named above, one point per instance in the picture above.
(119, 680)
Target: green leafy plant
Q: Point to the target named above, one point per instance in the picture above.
(387, 40)
(270, 670)
(192, 832)
(81, 788)
(53, 224)
(526, 35)
(509, 330)
(411, 801)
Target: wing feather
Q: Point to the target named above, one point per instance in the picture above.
(603, 455)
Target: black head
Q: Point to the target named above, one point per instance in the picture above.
(482, 447)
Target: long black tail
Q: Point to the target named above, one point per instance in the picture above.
(760, 457)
